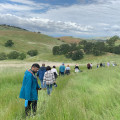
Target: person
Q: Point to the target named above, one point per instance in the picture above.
(54, 71)
(49, 78)
(55, 74)
(62, 69)
(108, 64)
(97, 65)
(88, 65)
(101, 64)
(91, 66)
(76, 68)
(29, 89)
(67, 70)
(40, 74)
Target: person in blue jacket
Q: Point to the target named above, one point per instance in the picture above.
(29, 89)
(62, 69)
(40, 74)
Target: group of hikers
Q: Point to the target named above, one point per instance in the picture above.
(47, 77)
(30, 86)
(89, 65)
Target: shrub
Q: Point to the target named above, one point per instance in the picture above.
(13, 55)
(56, 50)
(77, 55)
(9, 43)
(69, 54)
(3, 56)
(32, 52)
(116, 50)
(64, 48)
(22, 56)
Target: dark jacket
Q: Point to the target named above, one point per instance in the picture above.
(41, 72)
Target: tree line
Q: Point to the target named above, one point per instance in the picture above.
(76, 51)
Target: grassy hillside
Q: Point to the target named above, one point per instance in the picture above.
(25, 40)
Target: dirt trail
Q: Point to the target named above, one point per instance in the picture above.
(28, 64)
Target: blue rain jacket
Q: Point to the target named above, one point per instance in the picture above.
(62, 68)
(29, 87)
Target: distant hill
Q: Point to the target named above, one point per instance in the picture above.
(25, 40)
(69, 39)
(9, 27)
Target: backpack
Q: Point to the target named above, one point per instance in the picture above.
(55, 74)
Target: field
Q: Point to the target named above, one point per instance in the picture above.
(89, 95)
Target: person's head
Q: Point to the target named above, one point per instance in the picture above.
(67, 65)
(43, 65)
(54, 66)
(48, 68)
(35, 67)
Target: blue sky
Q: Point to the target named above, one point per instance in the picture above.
(77, 18)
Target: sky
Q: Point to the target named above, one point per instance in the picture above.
(77, 18)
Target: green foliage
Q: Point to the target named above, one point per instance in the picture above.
(22, 56)
(32, 52)
(111, 41)
(83, 42)
(88, 48)
(9, 43)
(64, 48)
(56, 50)
(13, 55)
(116, 49)
(99, 48)
(77, 55)
(3, 56)
(69, 54)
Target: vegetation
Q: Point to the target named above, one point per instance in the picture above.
(86, 47)
(22, 56)
(89, 95)
(13, 55)
(9, 43)
(3, 56)
(32, 52)
(25, 41)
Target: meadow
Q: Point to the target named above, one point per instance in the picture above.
(88, 95)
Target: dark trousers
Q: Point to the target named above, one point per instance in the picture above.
(61, 73)
(28, 108)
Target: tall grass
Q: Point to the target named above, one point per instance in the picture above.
(88, 95)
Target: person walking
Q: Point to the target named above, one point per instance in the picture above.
(91, 66)
(29, 89)
(67, 70)
(54, 70)
(76, 68)
(62, 69)
(40, 74)
(49, 78)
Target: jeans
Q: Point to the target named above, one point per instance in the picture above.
(49, 89)
(43, 86)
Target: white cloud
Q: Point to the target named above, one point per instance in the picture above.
(28, 2)
(97, 18)
(44, 25)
